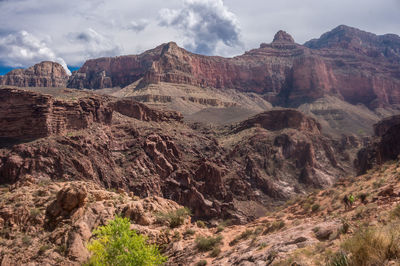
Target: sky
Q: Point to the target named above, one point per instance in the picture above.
(72, 31)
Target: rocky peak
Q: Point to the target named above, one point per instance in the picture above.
(283, 36)
(363, 42)
(44, 74)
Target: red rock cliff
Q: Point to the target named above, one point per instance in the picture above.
(284, 72)
(44, 74)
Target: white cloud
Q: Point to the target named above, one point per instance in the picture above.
(22, 49)
(138, 26)
(204, 24)
(90, 44)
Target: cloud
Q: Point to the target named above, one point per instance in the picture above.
(22, 49)
(138, 26)
(204, 24)
(91, 44)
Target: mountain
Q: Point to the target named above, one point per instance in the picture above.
(44, 74)
(347, 79)
(353, 65)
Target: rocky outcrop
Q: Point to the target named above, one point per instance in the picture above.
(29, 115)
(385, 146)
(44, 74)
(280, 119)
(134, 109)
(236, 174)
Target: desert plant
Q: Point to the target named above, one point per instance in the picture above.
(215, 252)
(207, 243)
(201, 263)
(220, 228)
(372, 246)
(315, 207)
(116, 244)
(244, 235)
(26, 240)
(275, 226)
(201, 224)
(338, 259)
(173, 218)
(395, 213)
(189, 232)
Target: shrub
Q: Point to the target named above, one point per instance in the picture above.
(244, 235)
(116, 244)
(315, 207)
(201, 263)
(338, 259)
(275, 226)
(215, 252)
(370, 246)
(220, 228)
(207, 243)
(173, 218)
(201, 224)
(189, 232)
(26, 240)
(395, 213)
(43, 249)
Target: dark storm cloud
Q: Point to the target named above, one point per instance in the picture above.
(204, 23)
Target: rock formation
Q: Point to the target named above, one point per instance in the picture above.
(385, 146)
(44, 74)
(283, 72)
(274, 155)
(29, 115)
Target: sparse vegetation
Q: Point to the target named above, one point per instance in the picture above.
(201, 224)
(315, 207)
(207, 243)
(116, 244)
(43, 249)
(373, 246)
(201, 263)
(275, 226)
(338, 259)
(395, 213)
(189, 232)
(220, 228)
(173, 218)
(244, 235)
(215, 252)
(26, 240)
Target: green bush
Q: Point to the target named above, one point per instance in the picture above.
(116, 244)
(207, 243)
(201, 224)
(173, 218)
(201, 263)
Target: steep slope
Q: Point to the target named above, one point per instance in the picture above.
(235, 172)
(383, 147)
